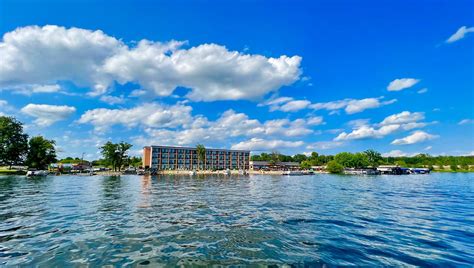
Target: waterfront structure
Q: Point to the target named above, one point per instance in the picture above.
(267, 165)
(186, 158)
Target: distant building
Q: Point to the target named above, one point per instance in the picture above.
(69, 167)
(186, 158)
(267, 165)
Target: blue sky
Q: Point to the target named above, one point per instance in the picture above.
(292, 76)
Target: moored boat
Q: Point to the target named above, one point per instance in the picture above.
(36, 173)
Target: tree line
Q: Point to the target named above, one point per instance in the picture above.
(368, 158)
(16, 148)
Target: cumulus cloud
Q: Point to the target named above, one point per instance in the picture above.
(393, 123)
(460, 34)
(39, 55)
(402, 83)
(47, 115)
(257, 144)
(315, 120)
(352, 106)
(415, 137)
(403, 118)
(150, 115)
(112, 99)
(294, 106)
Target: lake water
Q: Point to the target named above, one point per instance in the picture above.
(423, 220)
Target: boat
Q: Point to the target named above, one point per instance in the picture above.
(141, 172)
(294, 173)
(227, 172)
(36, 173)
(192, 173)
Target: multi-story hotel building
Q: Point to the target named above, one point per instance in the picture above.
(186, 158)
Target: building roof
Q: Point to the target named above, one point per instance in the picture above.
(194, 148)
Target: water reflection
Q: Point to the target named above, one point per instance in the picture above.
(253, 220)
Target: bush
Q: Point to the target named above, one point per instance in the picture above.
(334, 167)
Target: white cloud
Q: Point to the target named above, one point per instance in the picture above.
(30, 89)
(466, 122)
(294, 106)
(352, 106)
(150, 115)
(415, 137)
(365, 132)
(138, 93)
(257, 144)
(427, 148)
(40, 55)
(403, 118)
(393, 123)
(47, 115)
(402, 83)
(211, 71)
(460, 34)
(112, 99)
(315, 120)
(422, 91)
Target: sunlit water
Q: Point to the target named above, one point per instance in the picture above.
(421, 220)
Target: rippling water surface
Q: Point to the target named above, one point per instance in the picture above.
(300, 220)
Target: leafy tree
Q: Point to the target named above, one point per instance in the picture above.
(13, 142)
(359, 160)
(334, 167)
(115, 154)
(373, 157)
(109, 152)
(135, 161)
(41, 152)
(274, 157)
(305, 164)
(201, 154)
(345, 159)
(454, 167)
(299, 158)
(121, 154)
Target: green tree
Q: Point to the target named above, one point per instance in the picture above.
(109, 152)
(274, 158)
(41, 152)
(345, 159)
(13, 142)
(334, 167)
(360, 160)
(373, 157)
(305, 164)
(115, 154)
(299, 158)
(454, 167)
(201, 154)
(121, 154)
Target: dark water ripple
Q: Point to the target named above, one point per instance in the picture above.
(256, 220)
